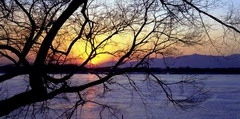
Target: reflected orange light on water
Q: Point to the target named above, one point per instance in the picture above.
(91, 94)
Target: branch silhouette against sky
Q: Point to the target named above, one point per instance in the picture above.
(36, 35)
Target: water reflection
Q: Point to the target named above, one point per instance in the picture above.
(224, 87)
(88, 109)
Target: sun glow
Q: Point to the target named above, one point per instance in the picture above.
(100, 59)
(82, 49)
(81, 55)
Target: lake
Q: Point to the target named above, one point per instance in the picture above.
(151, 103)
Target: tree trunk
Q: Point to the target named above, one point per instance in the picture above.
(37, 84)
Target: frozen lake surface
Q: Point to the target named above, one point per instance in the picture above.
(224, 102)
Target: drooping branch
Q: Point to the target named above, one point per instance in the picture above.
(8, 57)
(12, 74)
(211, 16)
(15, 51)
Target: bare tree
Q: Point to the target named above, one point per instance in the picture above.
(36, 34)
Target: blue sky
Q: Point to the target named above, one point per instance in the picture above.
(220, 11)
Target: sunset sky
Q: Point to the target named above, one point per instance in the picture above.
(219, 46)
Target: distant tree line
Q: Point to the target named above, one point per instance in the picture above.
(59, 69)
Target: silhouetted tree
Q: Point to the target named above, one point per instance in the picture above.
(37, 34)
